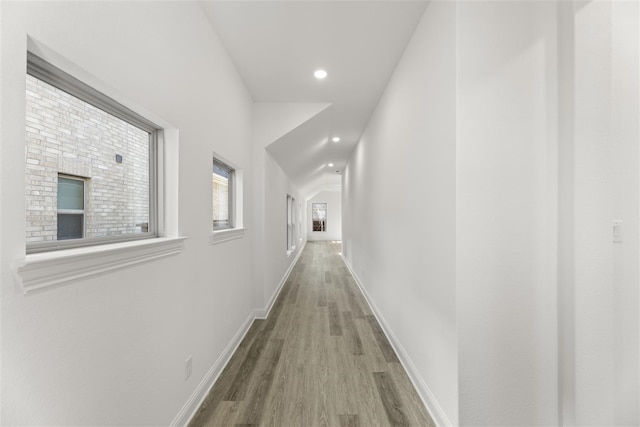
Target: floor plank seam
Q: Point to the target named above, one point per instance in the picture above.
(319, 358)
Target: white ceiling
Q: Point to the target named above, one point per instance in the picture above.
(277, 45)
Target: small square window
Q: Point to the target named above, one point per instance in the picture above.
(223, 188)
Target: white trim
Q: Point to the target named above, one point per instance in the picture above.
(263, 313)
(42, 270)
(190, 409)
(428, 399)
(237, 196)
(167, 144)
(220, 236)
(291, 251)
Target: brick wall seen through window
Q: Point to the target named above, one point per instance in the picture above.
(66, 136)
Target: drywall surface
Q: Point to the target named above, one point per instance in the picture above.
(607, 189)
(273, 120)
(546, 159)
(625, 135)
(594, 213)
(111, 350)
(599, 184)
(271, 187)
(333, 199)
(464, 244)
(399, 208)
(566, 213)
(506, 213)
(276, 257)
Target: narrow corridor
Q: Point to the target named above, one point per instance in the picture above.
(320, 358)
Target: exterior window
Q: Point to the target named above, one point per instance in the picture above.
(223, 184)
(290, 223)
(319, 216)
(90, 165)
(70, 208)
(299, 222)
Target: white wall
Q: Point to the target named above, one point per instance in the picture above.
(506, 213)
(277, 261)
(593, 215)
(607, 188)
(399, 209)
(466, 237)
(333, 199)
(566, 213)
(110, 350)
(545, 156)
(625, 136)
(271, 187)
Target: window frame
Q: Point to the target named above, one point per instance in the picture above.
(324, 222)
(291, 222)
(231, 185)
(75, 211)
(300, 222)
(237, 212)
(54, 76)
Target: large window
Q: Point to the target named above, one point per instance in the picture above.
(319, 216)
(90, 164)
(223, 188)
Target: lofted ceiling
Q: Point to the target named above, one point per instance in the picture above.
(277, 45)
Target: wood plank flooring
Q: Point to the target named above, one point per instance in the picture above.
(319, 359)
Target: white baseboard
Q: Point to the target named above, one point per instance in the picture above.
(190, 408)
(431, 404)
(264, 313)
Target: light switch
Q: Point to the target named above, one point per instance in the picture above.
(617, 231)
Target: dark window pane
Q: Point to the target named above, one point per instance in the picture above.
(70, 226)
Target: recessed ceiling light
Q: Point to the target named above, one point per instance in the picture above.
(335, 139)
(330, 165)
(320, 74)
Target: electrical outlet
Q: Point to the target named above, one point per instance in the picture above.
(188, 367)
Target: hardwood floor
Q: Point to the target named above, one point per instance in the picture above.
(319, 359)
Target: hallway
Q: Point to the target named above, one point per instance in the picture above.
(320, 358)
(163, 165)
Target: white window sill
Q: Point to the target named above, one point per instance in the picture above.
(41, 270)
(226, 235)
